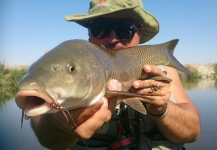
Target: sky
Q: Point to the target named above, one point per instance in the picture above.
(30, 27)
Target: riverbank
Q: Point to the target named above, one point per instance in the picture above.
(206, 70)
(10, 75)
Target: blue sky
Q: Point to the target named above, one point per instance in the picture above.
(30, 27)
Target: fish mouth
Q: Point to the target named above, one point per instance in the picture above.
(34, 102)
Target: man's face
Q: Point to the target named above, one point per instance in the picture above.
(114, 34)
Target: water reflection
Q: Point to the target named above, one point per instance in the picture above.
(11, 135)
(200, 84)
(203, 94)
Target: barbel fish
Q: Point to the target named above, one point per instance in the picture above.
(75, 74)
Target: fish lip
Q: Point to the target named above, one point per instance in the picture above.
(34, 102)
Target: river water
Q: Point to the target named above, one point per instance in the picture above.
(204, 97)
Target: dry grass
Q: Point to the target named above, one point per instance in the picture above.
(16, 67)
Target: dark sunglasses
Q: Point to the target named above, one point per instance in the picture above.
(123, 30)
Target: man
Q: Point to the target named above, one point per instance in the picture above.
(172, 118)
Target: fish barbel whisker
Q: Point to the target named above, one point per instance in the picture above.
(22, 118)
(62, 109)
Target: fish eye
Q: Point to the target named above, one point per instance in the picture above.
(71, 67)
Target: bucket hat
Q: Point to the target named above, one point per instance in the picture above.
(119, 9)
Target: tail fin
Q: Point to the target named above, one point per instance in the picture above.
(176, 64)
(173, 61)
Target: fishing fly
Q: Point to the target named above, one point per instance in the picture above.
(60, 108)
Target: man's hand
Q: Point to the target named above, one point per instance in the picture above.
(158, 90)
(103, 115)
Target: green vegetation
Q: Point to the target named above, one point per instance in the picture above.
(214, 76)
(8, 81)
(10, 77)
(190, 80)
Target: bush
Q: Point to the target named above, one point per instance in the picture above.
(215, 68)
(10, 77)
(8, 81)
(190, 80)
(214, 76)
(195, 75)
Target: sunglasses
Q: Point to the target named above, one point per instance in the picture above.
(123, 30)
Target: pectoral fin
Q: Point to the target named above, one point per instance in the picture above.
(124, 95)
(135, 104)
(130, 99)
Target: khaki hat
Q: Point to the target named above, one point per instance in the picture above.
(119, 9)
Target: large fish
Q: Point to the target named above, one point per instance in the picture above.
(76, 72)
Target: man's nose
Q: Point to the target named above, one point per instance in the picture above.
(113, 37)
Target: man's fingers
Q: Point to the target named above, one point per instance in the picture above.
(153, 70)
(147, 83)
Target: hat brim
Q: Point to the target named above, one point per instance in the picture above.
(151, 25)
